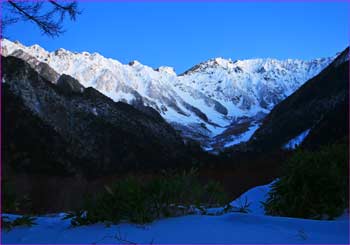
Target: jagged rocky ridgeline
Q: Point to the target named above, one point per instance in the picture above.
(316, 114)
(218, 102)
(54, 126)
(61, 127)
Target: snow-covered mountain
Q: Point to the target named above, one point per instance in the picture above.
(218, 102)
(315, 114)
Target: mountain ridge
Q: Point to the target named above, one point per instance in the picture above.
(318, 111)
(201, 104)
(70, 130)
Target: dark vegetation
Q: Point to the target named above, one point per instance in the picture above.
(7, 223)
(314, 180)
(321, 104)
(52, 131)
(12, 202)
(171, 194)
(53, 193)
(133, 199)
(314, 184)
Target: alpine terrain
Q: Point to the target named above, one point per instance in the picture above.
(219, 102)
(314, 115)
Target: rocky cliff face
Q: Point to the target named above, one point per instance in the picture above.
(316, 114)
(61, 126)
(207, 103)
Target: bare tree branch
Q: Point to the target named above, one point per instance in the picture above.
(48, 16)
(71, 8)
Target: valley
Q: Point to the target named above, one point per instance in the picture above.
(207, 103)
(75, 124)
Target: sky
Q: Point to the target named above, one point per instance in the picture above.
(182, 34)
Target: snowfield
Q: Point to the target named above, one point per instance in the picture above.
(296, 141)
(243, 137)
(204, 101)
(254, 227)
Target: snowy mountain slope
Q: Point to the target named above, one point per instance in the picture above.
(251, 84)
(64, 129)
(322, 100)
(202, 103)
(293, 143)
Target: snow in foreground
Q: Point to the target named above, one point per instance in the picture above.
(254, 227)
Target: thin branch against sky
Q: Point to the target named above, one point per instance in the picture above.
(181, 34)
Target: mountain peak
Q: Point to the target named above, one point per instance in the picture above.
(342, 57)
(134, 63)
(202, 102)
(167, 69)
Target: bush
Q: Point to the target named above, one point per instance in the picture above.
(132, 200)
(26, 220)
(314, 185)
(244, 206)
(215, 194)
(11, 201)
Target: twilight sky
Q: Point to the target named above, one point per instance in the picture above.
(182, 34)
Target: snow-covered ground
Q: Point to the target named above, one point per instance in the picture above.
(253, 227)
(296, 141)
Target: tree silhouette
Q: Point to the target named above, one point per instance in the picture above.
(47, 15)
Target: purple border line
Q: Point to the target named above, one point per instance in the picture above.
(199, 1)
(159, 1)
(1, 123)
(348, 124)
